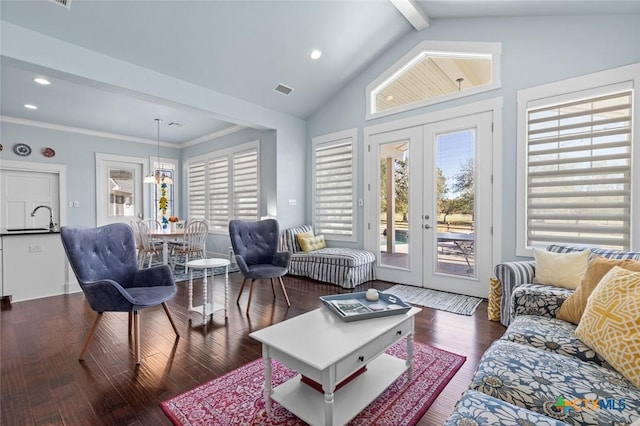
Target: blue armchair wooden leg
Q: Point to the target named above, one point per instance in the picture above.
(136, 335)
(130, 322)
(90, 336)
(273, 289)
(284, 291)
(250, 294)
(168, 312)
(244, 280)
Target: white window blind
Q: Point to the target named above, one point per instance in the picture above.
(579, 172)
(245, 185)
(334, 188)
(196, 182)
(219, 193)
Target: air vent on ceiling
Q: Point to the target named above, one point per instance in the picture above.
(64, 3)
(285, 90)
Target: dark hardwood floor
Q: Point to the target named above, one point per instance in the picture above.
(42, 381)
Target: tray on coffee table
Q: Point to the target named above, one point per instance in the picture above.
(355, 306)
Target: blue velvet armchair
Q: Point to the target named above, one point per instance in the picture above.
(255, 245)
(105, 263)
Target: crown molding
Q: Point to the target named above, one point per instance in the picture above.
(81, 131)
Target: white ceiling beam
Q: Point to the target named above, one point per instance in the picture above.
(412, 13)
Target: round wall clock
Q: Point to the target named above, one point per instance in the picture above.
(22, 149)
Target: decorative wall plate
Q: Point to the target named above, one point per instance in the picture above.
(22, 149)
(48, 152)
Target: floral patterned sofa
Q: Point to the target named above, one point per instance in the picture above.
(345, 267)
(539, 372)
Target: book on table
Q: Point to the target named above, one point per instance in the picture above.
(351, 307)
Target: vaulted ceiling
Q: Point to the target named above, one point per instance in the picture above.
(238, 48)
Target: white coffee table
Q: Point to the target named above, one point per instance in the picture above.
(327, 350)
(208, 306)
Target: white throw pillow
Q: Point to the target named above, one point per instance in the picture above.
(560, 269)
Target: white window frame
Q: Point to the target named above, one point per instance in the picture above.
(324, 141)
(212, 155)
(436, 48)
(565, 91)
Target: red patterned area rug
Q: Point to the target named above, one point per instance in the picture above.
(236, 398)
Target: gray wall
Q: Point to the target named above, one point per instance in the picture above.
(535, 50)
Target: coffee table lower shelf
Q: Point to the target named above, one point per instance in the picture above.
(308, 404)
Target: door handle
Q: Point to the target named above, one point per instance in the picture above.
(427, 227)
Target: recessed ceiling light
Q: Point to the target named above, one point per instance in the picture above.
(42, 81)
(316, 53)
(29, 106)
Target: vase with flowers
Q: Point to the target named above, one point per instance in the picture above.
(173, 221)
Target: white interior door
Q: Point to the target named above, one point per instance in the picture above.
(119, 189)
(429, 202)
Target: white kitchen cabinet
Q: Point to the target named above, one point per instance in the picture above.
(34, 266)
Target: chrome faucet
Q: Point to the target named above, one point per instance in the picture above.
(52, 225)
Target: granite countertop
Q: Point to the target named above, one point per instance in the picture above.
(27, 231)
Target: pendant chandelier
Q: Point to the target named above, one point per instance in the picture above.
(157, 177)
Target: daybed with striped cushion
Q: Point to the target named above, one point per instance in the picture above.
(341, 266)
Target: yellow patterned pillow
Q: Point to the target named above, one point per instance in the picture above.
(495, 297)
(313, 243)
(610, 324)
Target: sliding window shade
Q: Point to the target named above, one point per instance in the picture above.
(334, 192)
(245, 185)
(219, 193)
(196, 182)
(579, 172)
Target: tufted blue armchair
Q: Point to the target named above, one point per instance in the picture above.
(255, 245)
(105, 263)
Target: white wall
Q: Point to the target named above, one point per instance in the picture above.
(535, 50)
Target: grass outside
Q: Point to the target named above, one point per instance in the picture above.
(455, 223)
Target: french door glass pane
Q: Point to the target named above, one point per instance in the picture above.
(394, 204)
(455, 199)
(120, 190)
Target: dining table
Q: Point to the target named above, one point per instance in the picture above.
(167, 235)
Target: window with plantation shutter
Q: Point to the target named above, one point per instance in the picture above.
(219, 193)
(245, 185)
(224, 185)
(196, 183)
(334, 186)
(578, 165)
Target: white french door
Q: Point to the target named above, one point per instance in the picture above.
(430, 204)
(119, 189)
